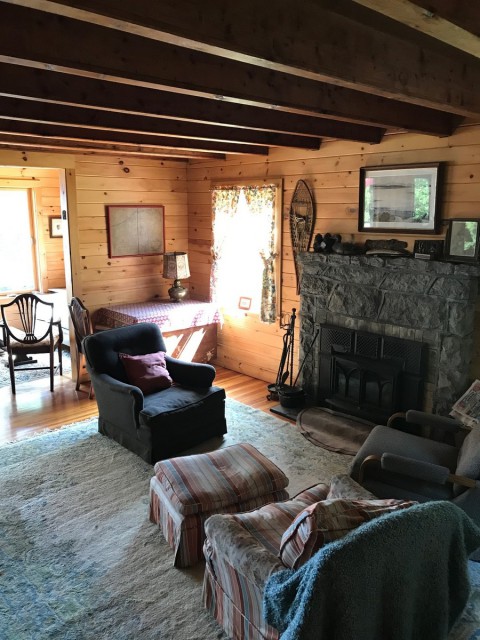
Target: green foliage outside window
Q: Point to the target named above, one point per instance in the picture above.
(470, 239)
(421, 196)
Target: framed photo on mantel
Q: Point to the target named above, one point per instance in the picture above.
(463, 240)
(402, 199)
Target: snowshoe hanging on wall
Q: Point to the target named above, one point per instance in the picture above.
(302, 222)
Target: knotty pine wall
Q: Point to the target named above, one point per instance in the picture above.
(104, 180)
(99, 181)
(332, 172)
(44, 187)
(245, 344)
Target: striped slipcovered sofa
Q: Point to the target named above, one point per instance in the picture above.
(236, 574)
(242, 552)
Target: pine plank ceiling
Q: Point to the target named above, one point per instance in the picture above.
(196, 79)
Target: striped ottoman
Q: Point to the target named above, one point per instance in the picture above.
(185, 491)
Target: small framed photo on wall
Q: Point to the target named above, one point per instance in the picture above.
(55, 227)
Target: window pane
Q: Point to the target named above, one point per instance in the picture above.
(16, 256)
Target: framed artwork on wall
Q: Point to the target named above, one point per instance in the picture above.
(55, 227)
(401, 199)
(463, 240)
(135, 230)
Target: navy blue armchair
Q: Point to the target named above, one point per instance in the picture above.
(161, 424)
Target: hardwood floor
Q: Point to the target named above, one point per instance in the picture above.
(34, 408)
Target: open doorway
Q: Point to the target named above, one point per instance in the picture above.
(32, 256)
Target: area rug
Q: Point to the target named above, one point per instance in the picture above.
(79, 559)
(332, 430)
(28, 374)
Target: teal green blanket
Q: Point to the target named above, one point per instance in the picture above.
(402, 576)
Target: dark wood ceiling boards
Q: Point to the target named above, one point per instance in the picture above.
(183, 78)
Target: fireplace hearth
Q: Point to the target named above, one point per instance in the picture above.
(369, 309)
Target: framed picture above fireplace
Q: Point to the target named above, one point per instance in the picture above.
(402, 199)
(463, 240)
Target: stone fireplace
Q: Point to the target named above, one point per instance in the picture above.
(424, 307)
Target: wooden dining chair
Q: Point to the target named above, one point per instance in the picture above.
(29, 327)
(82, 326)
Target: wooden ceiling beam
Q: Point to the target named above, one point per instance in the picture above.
(462, 13)
(60, 88)
(118, 137)
(38, 143)
(48, 113)
(335, 46)
(443, 20)
(90, 51)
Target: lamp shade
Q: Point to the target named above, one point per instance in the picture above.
(175, 265)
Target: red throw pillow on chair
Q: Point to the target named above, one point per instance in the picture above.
(326, 521)
(148, 372)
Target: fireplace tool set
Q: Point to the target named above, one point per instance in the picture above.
(289, 394)
(285, 369)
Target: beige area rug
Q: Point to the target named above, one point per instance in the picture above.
(79, 559)
(332, 430)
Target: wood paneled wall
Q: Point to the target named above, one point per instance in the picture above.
(254, 348)
(104, 180)
(245, 344)
(44, 187)
(99, 181)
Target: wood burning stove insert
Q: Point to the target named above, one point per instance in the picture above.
(368, 375)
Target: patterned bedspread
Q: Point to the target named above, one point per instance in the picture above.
(170, 316)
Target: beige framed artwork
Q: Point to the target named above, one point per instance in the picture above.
(135, 230)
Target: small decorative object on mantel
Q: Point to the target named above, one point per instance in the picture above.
(386, 248)
(175, 265)
(347, 249)
(302, 221)
(324, 243)
(428, 249)
(463, 240)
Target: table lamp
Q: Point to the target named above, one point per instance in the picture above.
(175, 265)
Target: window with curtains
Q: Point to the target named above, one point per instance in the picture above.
(246, 248)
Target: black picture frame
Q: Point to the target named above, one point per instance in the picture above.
(462, 243)
(401, 198)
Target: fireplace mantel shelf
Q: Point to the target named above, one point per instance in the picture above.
(410, 263)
